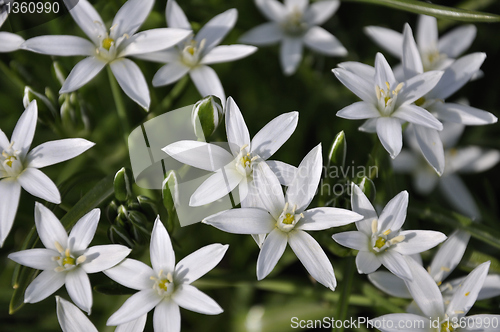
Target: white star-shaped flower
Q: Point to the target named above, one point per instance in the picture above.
(436, 53)
(166, 286)
(380, 240)
(66, 259)
(194, 54)
(458, 160)
(455, 76)
(386, 102)
(111, 46)
(18, 168)
(8, 41)
(436, 316)
(285, 219)
(295, 24)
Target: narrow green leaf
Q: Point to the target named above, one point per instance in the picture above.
(421, 7)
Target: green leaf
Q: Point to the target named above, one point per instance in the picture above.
(421, 7)
(102, 191)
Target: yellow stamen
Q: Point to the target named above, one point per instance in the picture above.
(81, 259)
(59, 247)
(380, 242)
(289, 219)
(467, 294)
(387, 232)
(446, 269)
(397, 239)
(374, 226)
(107, 43)
(68, 260)
(439, 283)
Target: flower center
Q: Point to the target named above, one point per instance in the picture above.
(66, 260)
(387, 98)
(10, 162)
(107, 43)
(164, 283)
(191, 54)
(381, 241)
(245, 161)
(433, 60)
(288, 219)
(447, 327)
(294, 24)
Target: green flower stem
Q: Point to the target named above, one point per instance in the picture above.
(343, 302)
(120, 106)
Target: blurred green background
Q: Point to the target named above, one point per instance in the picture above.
(262, 93)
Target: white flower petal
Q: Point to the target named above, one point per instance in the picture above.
(418, 116)
(326, 217)
(49, 228)
(303, 188)
(164, 56)
(137, 305)
(60, 45)
(313, 258)
(390, 284)
(456, 75)
(358, 85)
(353, 239)
(130, 17)
(319, 12)
(201, 155)
(362, 70)
(427, 33)
(218, 185)
(359, 110)
(262, 35)
(290, 54)
(473, 159)
(131, 273)
(197, 264)
(136, 325)
(449, 255)
(170, 73)
(270, 190)
(361, 205)
(190, 298)
(10, 191)
(167, 317)
(131, 80)
(82, 73)
(101, 258)
(25, 129)
(272, 249)
(396, 263)
(431, 146)
(369, 126)
(284, 172)
(87, 18)
(390, 40)
(71, 318)
(491, 287)
(389, 133)
(464, 114)
(324, 42)
(237, 131)
(383, 72)
(53, 152)
(418, 86)
(227, 53)
(242, 221)
(79, 289)
(465, 295)
(161, 251)
(274, 134)
(367, 262)
(154, 40)
(412, 63)
(394, 214)
(418, 241)
(40, 185)
(457, 40)
(44, 285)
(217, 28)
(38, 258)
(425, 181)
(272, 9)
(4, 141)
(451, 133)
(300, 5)
(457, 194)
(175, 16)
(10, 42)
(424, 290)
(207, 82)
(391, 323)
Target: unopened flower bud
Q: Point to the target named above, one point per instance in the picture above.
(338, 150)
(206, 116)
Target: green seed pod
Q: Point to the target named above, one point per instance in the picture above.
(338, 150)
(206, 116)
(368, 188)
(123, 184)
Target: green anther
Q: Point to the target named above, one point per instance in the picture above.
(380, 242)
(289, 218)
